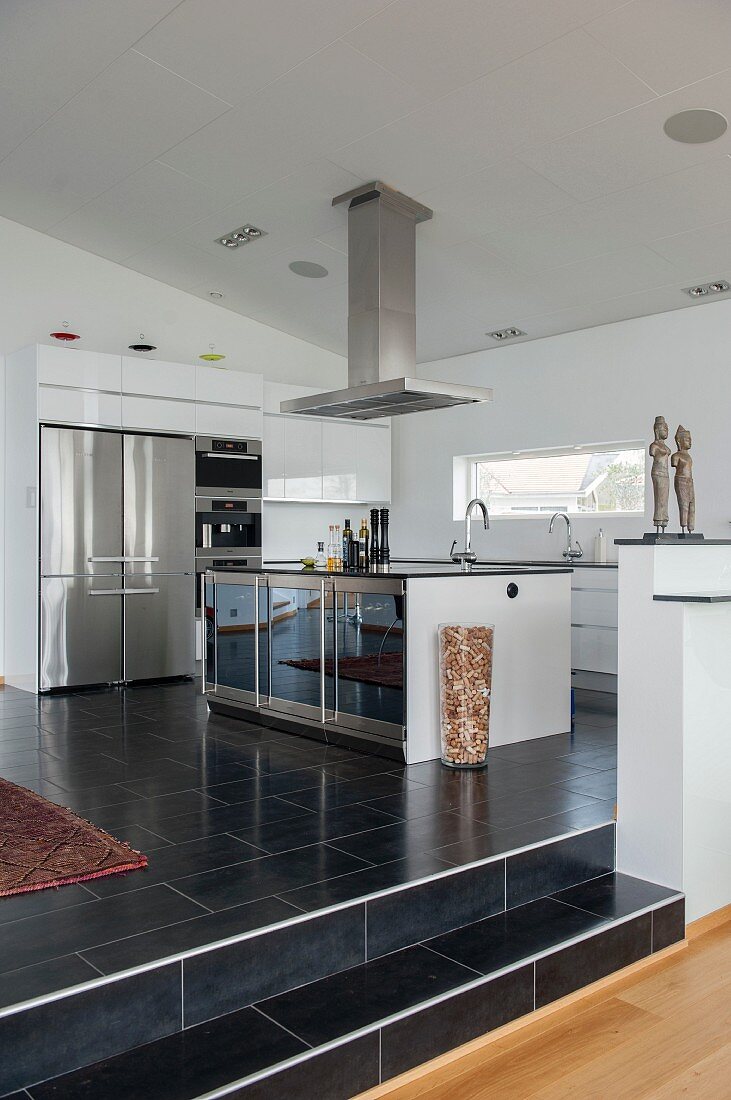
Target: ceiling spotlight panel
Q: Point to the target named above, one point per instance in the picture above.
(702, 290)
(506, 333)
(243, 235)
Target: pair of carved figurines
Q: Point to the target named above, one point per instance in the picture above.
(682, 463)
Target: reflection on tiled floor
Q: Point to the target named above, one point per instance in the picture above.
(246, 826)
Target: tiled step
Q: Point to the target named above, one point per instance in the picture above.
(162, 986)
(345, 1033)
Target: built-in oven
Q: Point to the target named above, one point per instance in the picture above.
(227, 467)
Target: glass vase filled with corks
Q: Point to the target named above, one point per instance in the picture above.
(465, 683)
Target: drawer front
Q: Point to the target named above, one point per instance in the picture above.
(594, 607)
(158, 416)
(595, 578)
(156, 378)
(228, 420)
(229, 387)
(72, 367)
(594, 649)
(83, 407)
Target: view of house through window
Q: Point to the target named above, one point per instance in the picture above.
(573, 481)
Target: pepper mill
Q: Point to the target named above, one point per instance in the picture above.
(375, 558)
(384, 551)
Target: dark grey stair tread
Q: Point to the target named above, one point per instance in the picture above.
(615, 895)
(355, 998)
(512, 936)
(183, 1066)
(237, 1045)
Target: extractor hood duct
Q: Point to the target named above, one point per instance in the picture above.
(382, 316)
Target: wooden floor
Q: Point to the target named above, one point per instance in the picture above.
(662, 1032)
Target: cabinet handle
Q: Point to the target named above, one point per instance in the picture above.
(141, 591)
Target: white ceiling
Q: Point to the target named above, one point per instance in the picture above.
(141, 130)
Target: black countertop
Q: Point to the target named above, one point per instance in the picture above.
(404, 570)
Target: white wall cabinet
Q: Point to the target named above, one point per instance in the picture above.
(69, 406)
(228, 420)
(273, 456)
(339, 461)
(373, 462)
(302, 458)
(158, 414)
(227, 387)
(156, 378)
(311, 458)
(92, 370)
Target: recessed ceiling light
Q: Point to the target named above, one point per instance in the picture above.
(506, 333)
(696, 126)
(701, 290)
(243, 235)
(216, 294)
(308, 270)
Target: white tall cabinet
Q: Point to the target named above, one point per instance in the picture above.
(58, 385)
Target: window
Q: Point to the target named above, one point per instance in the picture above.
(608, 480)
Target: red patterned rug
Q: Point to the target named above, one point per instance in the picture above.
(44, 845)
(388, 672)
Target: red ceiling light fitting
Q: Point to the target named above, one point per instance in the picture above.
(65, 336)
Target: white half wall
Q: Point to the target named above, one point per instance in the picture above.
(594, 386)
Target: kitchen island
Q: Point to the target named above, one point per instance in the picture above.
(352, 658)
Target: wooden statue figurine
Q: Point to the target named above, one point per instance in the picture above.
(660, 453)
(684, 488)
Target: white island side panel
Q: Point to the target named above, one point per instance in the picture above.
(531, 685)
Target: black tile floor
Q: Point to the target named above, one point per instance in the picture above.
(246, 826)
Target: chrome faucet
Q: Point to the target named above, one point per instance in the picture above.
(571, 552)
(466, 558)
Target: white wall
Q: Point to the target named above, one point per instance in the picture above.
(599, 385)
(44, 282)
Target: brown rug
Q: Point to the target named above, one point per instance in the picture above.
(44, 845)
(389, 672)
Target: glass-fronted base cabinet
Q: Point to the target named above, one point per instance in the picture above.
(327, 650)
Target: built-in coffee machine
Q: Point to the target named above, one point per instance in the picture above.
(228, 510)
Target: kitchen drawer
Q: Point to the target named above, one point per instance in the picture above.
(230, 387)
(157, 415)
(594, 649)
(91, 370)
(586, 577)
(228, 420)
(597, 607)
(83, 407)
(155, 378)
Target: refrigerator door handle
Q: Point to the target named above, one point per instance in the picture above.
(121, 557)
(123, 591)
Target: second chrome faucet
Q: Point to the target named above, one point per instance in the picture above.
(571, 553)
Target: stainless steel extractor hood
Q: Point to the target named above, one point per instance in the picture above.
(382, 377)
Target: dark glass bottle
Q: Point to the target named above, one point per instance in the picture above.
(375, 545)
(347, 539)
(363, 546)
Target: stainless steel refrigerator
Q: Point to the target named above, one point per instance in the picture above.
(117, 557)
